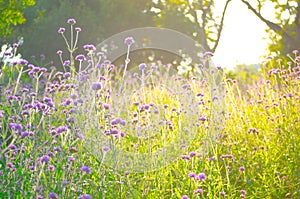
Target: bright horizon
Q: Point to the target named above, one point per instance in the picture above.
(242, 40)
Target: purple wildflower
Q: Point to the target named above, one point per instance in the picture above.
(61, 30)
(222, 193)
(142, 66)
(129, 41)
(45, 158)
(71, 21)
(201, 177)
(53, 195)
(84, 196)
(71, 159)
(24, 134)
(80, 136)
(80, 57)
(185, 197)
(241, 169)
(105, 148)
(7, 54)
(86, 169)
(23, 62)
(198, 191)
(192, 154)
(15, 126)
(67, 63)
(77, 29)
(89, 47)
(61, 129)
(192, 175)
(96, 86)
(51, 167)
(185, 157)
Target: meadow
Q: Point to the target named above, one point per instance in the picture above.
(106, 131)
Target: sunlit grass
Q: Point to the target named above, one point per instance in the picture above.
(57, 134)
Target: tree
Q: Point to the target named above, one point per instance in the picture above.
(11, 14)
(196, 18)
(98, 20)
(284, 30)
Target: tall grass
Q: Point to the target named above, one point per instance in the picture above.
(51, 123)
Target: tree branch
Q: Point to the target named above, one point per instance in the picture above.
(275, 27)
(220, 27)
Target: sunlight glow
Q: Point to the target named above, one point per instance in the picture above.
(242, 40)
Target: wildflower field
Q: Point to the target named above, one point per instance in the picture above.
(90, 129)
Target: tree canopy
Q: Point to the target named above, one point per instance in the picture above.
(284, 30)
(101, 18)
(11, 14)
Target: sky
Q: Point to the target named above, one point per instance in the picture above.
(242, 40)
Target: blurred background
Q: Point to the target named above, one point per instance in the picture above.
(239, 32)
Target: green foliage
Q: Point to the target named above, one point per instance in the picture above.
(198, 19)
(98, 18)
(11, 14)
(284, 29)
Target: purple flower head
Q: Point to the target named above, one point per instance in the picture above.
(15, 45)
(71, 159)
(8, 54)
(23, 62)
(59, 52)
(185, 157)
(80, 57)
(71, 21)
(198, 191)
(45, 158)
(24, 134)
(67, 63)
(243, 191)
(115, 121)
(201, 177)
(67, 74)
(142, 66)
(192, 175)
(61, 30)
(84, 196)
(241, 169)
(77, 29)
(96, 86)
(86, 169)
(129, 41)
(105, 148)
(61, 129)
(53, 195)
(192, 154)
(185, 197)
(202, 118)
(80, 136)
(100, 54)
(106, 106)
(222, 193)
(15, 126)
(51, 168)
(89, 47)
